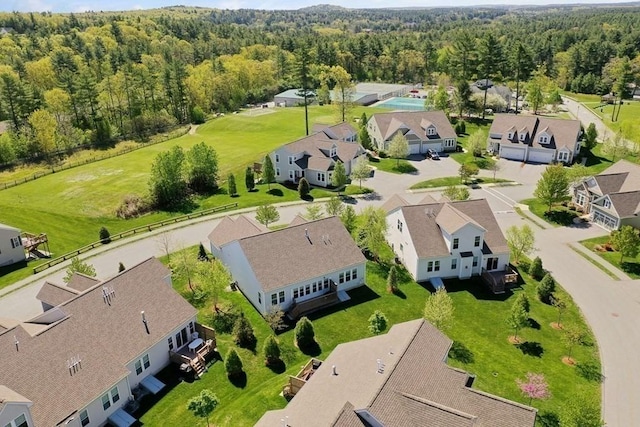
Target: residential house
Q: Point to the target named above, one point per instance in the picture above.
(315, 156)
(229, 230)
(307, 261)
(423, 130)
(340, 132)
(534, 139)
(503, 92)
(611, 198)
(97, 346)
(439, 240)
(397, 379)
(11, 249)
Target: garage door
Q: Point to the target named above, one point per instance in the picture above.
(540, 156)
(414, 148)
(512, 153)
(604, 221)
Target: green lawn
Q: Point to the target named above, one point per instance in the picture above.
(453, 180)
(467, 157)
(627, 120)
(582, 97)
(71, 205)
(479, 325)
(629, 265)
(393, 165)
(558, 216)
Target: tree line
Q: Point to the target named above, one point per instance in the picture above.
(69, 80)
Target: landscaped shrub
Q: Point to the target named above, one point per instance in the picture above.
(233, 364)
(105, 236)
(132, 206)
(233, 190)
(202, 254)
(243, 333)
(271, 351)
(377, 322)
(303, 188)
(589, 371)
(392, 280)
(535, 269)
(304, 333)
(546, 288)
(197, 115)
(548, 419)
(121, 268)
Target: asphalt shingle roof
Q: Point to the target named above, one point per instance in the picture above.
(390, 123)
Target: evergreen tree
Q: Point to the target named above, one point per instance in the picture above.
(271, 351)
(303, 188)
(268, 172)
(304, 334)
(392, 280)
(535, 269)
(546, 288)
(233, 191)
(249, 179)
(233, 364)
(243, 334)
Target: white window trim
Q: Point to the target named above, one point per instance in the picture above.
(277, 171)
(109, 395)
(86, 417)
(141, 363)
(14, 422)
(277, 156)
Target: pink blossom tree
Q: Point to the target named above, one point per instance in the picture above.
(535, 387)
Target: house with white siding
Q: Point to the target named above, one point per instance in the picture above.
(440, 240)
(315, 156)
(95, 349)
(11, 249)
(611, 198)
(308, 264)
(424, 130)
(534, 139)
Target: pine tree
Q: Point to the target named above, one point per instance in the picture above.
(268, 172)
(243, 334)
(271, 351)
(535, 269)
(233, 191)
(233, 364)
(303, 188)
(392, 280)
(249, 179)
(304, 333)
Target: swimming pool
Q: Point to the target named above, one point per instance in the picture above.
(398, 103)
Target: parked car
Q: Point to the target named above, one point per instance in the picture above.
(433, 154)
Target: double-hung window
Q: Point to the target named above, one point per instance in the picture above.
(274, 299)
(143, 364)
(456, 242)
(110, 397)
(476, 242)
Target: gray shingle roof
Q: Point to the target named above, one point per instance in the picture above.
(415, 385)
(106, 337)
(317, 147)
(424, 221)
(626, 204)
(229, 229)
(81, 282)
(390, 123)
(53, 294)
(564, 133)
(622, 176)
(286, 256)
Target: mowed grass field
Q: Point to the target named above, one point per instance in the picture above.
(627, 122)
(71, 205)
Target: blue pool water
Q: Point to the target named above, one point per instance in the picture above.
(397, 103)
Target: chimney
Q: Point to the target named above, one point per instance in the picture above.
(333, 370)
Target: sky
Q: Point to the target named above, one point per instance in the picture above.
(97, 5)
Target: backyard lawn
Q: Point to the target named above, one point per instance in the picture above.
(479, 325)
(629, 265)
(71, 205)
(472, 127)
(559, 215)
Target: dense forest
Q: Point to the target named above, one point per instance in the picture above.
(91, 79)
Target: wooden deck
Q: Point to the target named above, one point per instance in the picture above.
(327, 299)
(196, 360)
(499, 281)
(297, 382)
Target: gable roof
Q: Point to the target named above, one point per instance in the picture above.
(394, 202)
(625, 204)
(622, 176)
(415, 384)
(229, 229)
(54, 294)
(329, 248)
(81, 282)
(414, 121)
(106, 336)
(341, 131)
(317, 147)
(424, 223)
(563, 132)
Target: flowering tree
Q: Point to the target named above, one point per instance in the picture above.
(535, 387)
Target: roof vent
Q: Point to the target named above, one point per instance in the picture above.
(306, 234)
(16, 342)
(144, 321)
(428, 212)
(380, 366)
(108, 294)
(74, 364)
(333, 370)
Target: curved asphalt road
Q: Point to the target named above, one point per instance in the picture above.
(610, 307)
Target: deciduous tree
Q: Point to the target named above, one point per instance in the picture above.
(78, 266)
(167, 182)
(626, 241)
(467, 170)
(521, 241)
(399, 147)
(202, 168)
(438, 309)
(361, 170)
(314, 212)
(553, 185)
(203, 404)
(534, 387)
(377, 322)
(517, 319)
(334, 206)
(266, 214)
(372, 229)
(339, 177)
(454, 192)
(349, 218)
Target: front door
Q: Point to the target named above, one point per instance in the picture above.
(466, 266)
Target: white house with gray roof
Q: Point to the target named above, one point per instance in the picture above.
(11, 249)
(397, 379)
(80, 362)
(294, 265)
(611, 198)
(446, 239)
(314, 157)
(534, 139)
(424, 130)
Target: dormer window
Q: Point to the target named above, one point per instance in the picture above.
(510, 135)
(606, 203)
(333, 152)
(544, 139)
(431, 131)
(523, 136)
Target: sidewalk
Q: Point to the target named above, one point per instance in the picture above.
(621, 275)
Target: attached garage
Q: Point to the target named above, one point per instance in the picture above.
(414, 148)
(605, 221)
(536, 156)
(436, 146)
(512, 153)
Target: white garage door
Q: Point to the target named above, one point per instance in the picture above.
(604, 221)
(540, 156)
(414, 148)
(512, 153)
